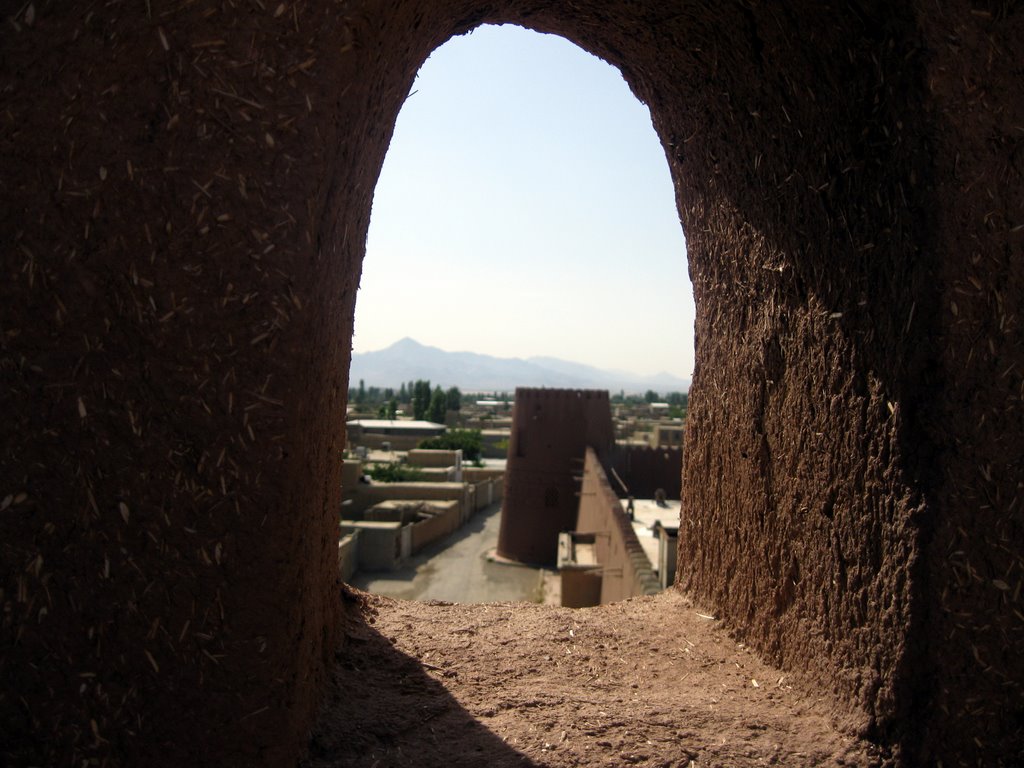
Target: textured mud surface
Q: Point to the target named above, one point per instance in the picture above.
(649, 682)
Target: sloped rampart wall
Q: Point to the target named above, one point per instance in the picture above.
(626, 570)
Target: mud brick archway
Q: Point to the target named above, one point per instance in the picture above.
(185, 195)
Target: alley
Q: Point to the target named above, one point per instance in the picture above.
(456, 569)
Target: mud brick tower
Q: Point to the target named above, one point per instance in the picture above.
(551, 429)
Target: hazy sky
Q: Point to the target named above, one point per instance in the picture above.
(525, 208)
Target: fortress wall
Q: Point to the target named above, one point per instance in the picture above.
(626, 570)
(645, 470)
(184, 205)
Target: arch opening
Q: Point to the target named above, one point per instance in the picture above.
(524, 211)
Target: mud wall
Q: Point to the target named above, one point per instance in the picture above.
(440, 523)
(172, 378)
(183, 207)
(801, 507)
(365, 496)
(551, 431)
(972, 577)
(625, 570)
(853, 341)
(645, 470)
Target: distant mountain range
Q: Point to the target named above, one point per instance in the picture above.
(407, 360)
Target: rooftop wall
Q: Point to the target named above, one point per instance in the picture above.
(424, 457)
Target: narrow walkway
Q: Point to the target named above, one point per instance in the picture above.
(647, 682)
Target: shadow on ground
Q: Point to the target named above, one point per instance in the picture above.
(381, 699)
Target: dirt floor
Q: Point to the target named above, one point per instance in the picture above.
(648, 682)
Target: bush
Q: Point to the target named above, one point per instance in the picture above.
(468, 440)
(394, 473)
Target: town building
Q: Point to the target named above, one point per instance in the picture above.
(397, 434)
(384, 523)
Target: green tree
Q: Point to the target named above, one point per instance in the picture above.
(679, 401)
(421, 399)
(388, 410)
(361, 393)
(651, 396)
(401, 394)
(438, 407)
(454, 399)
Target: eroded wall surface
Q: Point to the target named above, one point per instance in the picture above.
(177, 285)
(972, 580)
(183, 208)
(851, 489)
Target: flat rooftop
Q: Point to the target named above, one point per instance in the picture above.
(409, 425)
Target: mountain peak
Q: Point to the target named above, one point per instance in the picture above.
(406, 343)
